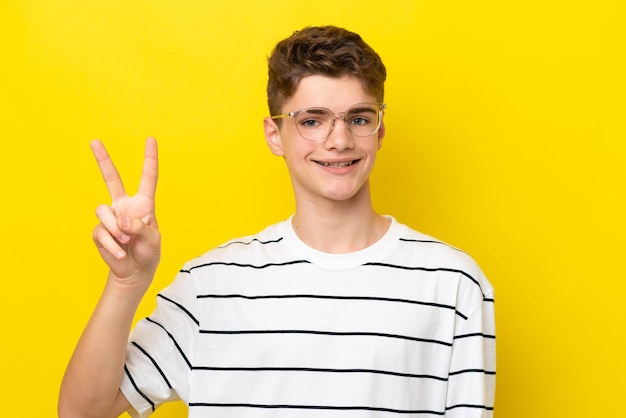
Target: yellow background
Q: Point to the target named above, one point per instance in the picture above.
(505, 137)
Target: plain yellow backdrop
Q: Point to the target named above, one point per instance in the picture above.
(505, 137)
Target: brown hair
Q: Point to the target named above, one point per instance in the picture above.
(322, 50)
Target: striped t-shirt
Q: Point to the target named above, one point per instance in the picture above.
(265, 326)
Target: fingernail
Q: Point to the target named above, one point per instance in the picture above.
(124, 238)
(125, 222)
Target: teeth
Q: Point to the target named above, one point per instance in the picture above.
(336, 165)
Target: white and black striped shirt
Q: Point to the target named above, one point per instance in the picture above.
(265, 326)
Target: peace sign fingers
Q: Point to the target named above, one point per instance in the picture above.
(127, 236)
(150, 174)
(109, 172)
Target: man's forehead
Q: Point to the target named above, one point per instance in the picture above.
(334, 93)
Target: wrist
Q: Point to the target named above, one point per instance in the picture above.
(129, 288)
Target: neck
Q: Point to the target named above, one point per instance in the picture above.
(339, 226)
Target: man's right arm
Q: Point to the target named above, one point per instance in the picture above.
(92, 380)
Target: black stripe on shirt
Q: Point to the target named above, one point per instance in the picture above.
(143, 395)
(327, 333)
(475, 334)
(153, 361)
(431, 241)
(487, 372)
(233, 264)
(311, 369)
(274, 241)
(488, 408)
(320, 407)
(180, 350)
(339, 408)
(332, 297)
(428, 269)
(181, 307)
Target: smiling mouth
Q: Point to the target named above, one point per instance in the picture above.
(337, 165)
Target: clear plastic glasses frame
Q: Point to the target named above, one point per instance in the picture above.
(315, 124)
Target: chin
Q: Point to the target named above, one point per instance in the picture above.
(343, 194)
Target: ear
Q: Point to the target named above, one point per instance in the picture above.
(272, 136)
(381, 134)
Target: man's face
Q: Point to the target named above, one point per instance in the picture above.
(338, 168)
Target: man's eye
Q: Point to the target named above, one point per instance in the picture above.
(359, 121)
(310, 123)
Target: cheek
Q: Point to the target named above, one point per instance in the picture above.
(297, 147)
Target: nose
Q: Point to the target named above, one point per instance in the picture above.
(339, 137)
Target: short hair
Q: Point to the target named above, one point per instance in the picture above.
(322, 50)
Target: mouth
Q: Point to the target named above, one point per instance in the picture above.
(340, 164)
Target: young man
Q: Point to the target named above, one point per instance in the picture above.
(335, 312)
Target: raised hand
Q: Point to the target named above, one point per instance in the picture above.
(128, 237)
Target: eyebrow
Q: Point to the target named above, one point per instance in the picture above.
(317, 110)
(323, 110)
(362, 109)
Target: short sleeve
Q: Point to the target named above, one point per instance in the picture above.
(471, 385)
(159, 356)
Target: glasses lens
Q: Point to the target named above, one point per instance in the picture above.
(362, 119)
(314, 124)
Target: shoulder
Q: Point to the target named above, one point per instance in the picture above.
(434, 249)
(430, 253)
(243, 249)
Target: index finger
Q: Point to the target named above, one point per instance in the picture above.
(107, 168)
(150, 173)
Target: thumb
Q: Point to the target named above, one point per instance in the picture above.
(135, 227)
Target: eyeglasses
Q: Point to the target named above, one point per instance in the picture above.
(316, 123)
